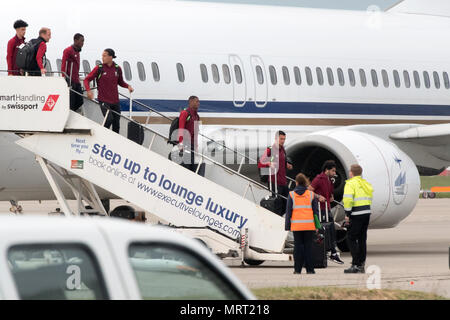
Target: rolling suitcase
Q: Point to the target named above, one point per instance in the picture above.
(319, 247)
(326, 226)
(135, 131)
(273, 202)
(319, 253)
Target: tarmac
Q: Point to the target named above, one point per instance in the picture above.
(412, 256)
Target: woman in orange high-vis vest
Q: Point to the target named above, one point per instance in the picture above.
(300, 211)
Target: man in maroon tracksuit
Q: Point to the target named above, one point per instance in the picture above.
(275, 158)
(323, 186)
(70, 68)
(188, 130)
(13, 47)
(37, 67)
(109, 76)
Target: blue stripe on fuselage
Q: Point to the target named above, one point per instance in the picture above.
(295, 107)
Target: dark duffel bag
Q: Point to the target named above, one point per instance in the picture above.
(274, 204)
(135, 132)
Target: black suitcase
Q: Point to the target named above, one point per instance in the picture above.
(320, 248)
(319, 253)
(327, 233)
(135, 132)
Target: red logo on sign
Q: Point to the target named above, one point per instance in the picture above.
(51, 102)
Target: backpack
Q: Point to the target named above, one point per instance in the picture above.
(175, 125)
(27, 53)
(100, 70)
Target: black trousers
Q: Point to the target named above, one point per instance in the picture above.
(76, 100)
(113, 117)
(189, 163)
(357, 238)
(303, 250)
(284, 191)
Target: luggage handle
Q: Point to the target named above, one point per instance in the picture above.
(270, 181)
(131, 106)
(326, 212)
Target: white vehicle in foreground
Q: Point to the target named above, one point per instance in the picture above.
(100, 258)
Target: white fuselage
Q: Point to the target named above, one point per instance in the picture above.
(250, 64)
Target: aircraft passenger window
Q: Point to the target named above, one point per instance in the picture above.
(437, 82)
(309, 78)
(155, 71)
(416, 79)
(446, 80)
(226, 73)
(86, 67)
(286, 77)
(351, 77)
(204, 73)
(58, 64)
(180, 71)
(56, 272)
(362, 77)
(385, 77)
(259, 75)
(374, 75)
(170, 272)
(298, 77)
(319, 76)
(215, 73)
(238, 74)
(407, 79)
(330, 77)
(341, 77)
(141, 71)
(396, 79)
(127, 70)
(426, 78)
(273, 75)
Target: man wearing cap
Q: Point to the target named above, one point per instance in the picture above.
(13, 47)
(108, 76)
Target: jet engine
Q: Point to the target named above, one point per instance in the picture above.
(391, 172)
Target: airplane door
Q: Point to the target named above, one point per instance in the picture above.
(260, 81)
(239, 81)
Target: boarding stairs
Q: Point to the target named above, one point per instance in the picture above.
(221, 209)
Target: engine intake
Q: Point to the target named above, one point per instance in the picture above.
(392, 173)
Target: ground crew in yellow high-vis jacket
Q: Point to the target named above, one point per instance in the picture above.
(357, 204)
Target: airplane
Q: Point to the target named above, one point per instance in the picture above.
(352, 86)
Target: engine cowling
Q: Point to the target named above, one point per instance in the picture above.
(392, 173)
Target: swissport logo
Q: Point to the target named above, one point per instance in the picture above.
(51, 102)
